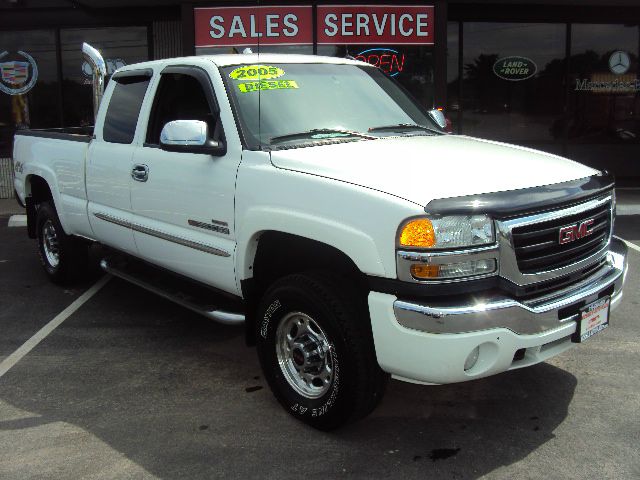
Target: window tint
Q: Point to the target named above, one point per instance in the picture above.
(124, 108)
(179, 97)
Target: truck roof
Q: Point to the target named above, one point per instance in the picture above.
(243, 58)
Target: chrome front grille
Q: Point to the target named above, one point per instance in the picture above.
(537, 245)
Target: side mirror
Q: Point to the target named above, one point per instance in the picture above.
(190, 136)
(438, 117)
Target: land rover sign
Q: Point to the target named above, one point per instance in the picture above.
(515, 69)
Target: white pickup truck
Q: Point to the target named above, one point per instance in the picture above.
(314, 201)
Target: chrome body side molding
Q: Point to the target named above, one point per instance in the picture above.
(164, 236)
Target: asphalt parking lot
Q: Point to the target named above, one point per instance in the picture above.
(132, 386)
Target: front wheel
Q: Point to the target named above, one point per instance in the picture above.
(316, 350)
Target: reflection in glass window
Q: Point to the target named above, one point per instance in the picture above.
(513, 82)
(411, 65)
(453, 74)
(293, 49)
(28, 81)
(118, 45)
(604, 97)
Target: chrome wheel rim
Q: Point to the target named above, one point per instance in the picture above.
(50, 244)
(304, 355)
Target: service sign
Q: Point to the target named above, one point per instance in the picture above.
(238, 26)
(375, 25)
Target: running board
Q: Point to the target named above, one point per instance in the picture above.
(172, 288)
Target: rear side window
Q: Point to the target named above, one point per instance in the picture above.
(124, 109)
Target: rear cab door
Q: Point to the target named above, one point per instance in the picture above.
(183, 209)
(110, 159)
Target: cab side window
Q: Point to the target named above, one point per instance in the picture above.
(179, 97)
(124, 108)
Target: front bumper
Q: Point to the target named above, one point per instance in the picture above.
(430, 342)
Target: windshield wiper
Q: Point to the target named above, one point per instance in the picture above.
(322, 133)
(402, 126)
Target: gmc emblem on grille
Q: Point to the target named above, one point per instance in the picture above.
(571, 233)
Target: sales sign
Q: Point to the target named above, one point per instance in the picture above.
(237, 26)
(380, 24)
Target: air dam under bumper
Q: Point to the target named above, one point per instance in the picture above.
(431, 343)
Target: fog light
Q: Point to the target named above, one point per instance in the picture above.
(471, 359)
(453, 270)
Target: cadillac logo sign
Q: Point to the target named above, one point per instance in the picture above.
(515, 69)
(17, 76)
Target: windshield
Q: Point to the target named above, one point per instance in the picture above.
(294, 103)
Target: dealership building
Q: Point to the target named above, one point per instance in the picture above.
(556, 75)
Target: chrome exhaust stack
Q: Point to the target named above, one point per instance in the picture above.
(99, 71)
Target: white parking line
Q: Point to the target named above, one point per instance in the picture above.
(629, 244)
(41, 334)
(17, 221)
(632, 209)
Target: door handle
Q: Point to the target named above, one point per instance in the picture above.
(140, 173)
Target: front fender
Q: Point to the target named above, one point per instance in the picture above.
(357, 245)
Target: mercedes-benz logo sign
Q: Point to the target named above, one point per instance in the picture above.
(619, 62)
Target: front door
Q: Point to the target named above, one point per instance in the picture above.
(183, 203)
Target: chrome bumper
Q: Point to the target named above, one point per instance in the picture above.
(547, 312)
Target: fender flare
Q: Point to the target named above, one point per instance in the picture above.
(49, 177)
(355, 244)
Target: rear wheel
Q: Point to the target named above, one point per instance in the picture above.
(316, 350)
(63, 257)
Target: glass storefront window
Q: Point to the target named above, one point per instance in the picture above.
(294, 49)
(453, 75)
(28, 83)
(513, 86)
(119, 46)
(411, 65)
(604, 97)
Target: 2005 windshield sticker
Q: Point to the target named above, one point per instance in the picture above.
(264, 76)
(256, 72)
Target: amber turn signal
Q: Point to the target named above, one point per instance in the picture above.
(418, 233)
(425, 271)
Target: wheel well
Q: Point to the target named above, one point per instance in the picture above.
(37, 191)
(280, 254)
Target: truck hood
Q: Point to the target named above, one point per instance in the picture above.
(425, 168)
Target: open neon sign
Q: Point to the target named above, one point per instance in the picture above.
(388, 60)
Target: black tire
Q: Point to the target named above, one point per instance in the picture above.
(72, 252)
(340, 313)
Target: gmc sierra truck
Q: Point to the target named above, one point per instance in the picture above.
(312, 200)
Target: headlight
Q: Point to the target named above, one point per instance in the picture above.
(447, 232)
